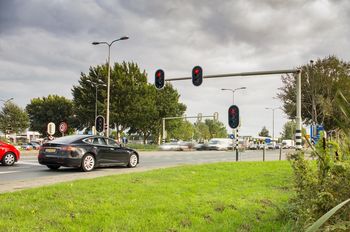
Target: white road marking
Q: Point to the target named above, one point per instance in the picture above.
(8, 172)
(29, 163)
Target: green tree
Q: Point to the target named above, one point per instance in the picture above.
(288, 130)
(183, 131)
(157, 105)
(52, 108)
(216, 129)
(319, 83)
(264, 132)
(13, 118)
(135, 105)
(201, 131)
(84, 96)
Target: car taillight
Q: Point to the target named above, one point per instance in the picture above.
(68, 148)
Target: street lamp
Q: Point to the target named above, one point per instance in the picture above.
(96, 85)
(273, 120)
(109, 75)
(233, 93)
(7, 100)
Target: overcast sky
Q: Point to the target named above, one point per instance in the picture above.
(45, 45)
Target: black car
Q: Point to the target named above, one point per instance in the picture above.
(85, 152)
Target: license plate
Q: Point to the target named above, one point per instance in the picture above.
(50, 150)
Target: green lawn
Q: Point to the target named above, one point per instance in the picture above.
(213, 197)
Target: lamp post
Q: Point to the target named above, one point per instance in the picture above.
(96, 85)
(7, 100)
(109, 75)
(273, 120)
(233, 92)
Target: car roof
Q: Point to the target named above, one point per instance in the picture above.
(70, 139)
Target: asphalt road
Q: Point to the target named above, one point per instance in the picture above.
(28, 173)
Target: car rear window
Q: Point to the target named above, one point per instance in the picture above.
(66, 139)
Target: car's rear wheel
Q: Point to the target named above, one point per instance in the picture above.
(133, 160)
(53, 167)
(88, 163)
(9, 159)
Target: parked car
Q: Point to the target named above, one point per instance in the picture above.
(35, 145)
(174, 146)
(253, 146)
(8, 154)
(219, 144)
(278, 146)
(200, 146)
(30, 146)
(270, 146)
(27, 147)
(85, 152)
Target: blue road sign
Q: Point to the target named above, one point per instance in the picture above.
(267, 140)
(232, 136)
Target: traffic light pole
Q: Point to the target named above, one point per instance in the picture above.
(260, 73)
(182, 117)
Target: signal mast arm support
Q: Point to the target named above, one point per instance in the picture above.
(260, 73)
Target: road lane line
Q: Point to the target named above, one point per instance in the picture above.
(8, 172)
(29, 163)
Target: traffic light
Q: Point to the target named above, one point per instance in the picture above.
(197, 75)
(99, 123)
(233, 116)
(159, 79)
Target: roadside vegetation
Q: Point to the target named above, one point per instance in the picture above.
(246, 196)
(324, 183)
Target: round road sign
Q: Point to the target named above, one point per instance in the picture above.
(63, 127)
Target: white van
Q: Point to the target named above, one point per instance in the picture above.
(219, 144)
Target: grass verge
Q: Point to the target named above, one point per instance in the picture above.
(245, 196)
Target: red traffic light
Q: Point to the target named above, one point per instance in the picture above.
(196, 71)
(159, 79)
(232, 111)
(197, 76)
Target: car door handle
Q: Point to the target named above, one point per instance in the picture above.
(111, 149)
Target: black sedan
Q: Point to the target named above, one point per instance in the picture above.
(85, 152)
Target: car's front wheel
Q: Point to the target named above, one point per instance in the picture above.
(133, 160)
(9, 159)
(88, 163)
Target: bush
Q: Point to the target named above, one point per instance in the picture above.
(320, 185)
(144, 147)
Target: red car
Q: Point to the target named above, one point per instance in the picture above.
(8, 154)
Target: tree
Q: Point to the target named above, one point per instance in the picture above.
(319, 83)
(13, 118)
(183, 131)
(157, 104)
(135, 105)
(52, 108)
(264, 132)
(216, 129)
(209, 129)
(201, 131)
(288, 131)
(84, 96)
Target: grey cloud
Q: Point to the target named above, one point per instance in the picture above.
(44, 45)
